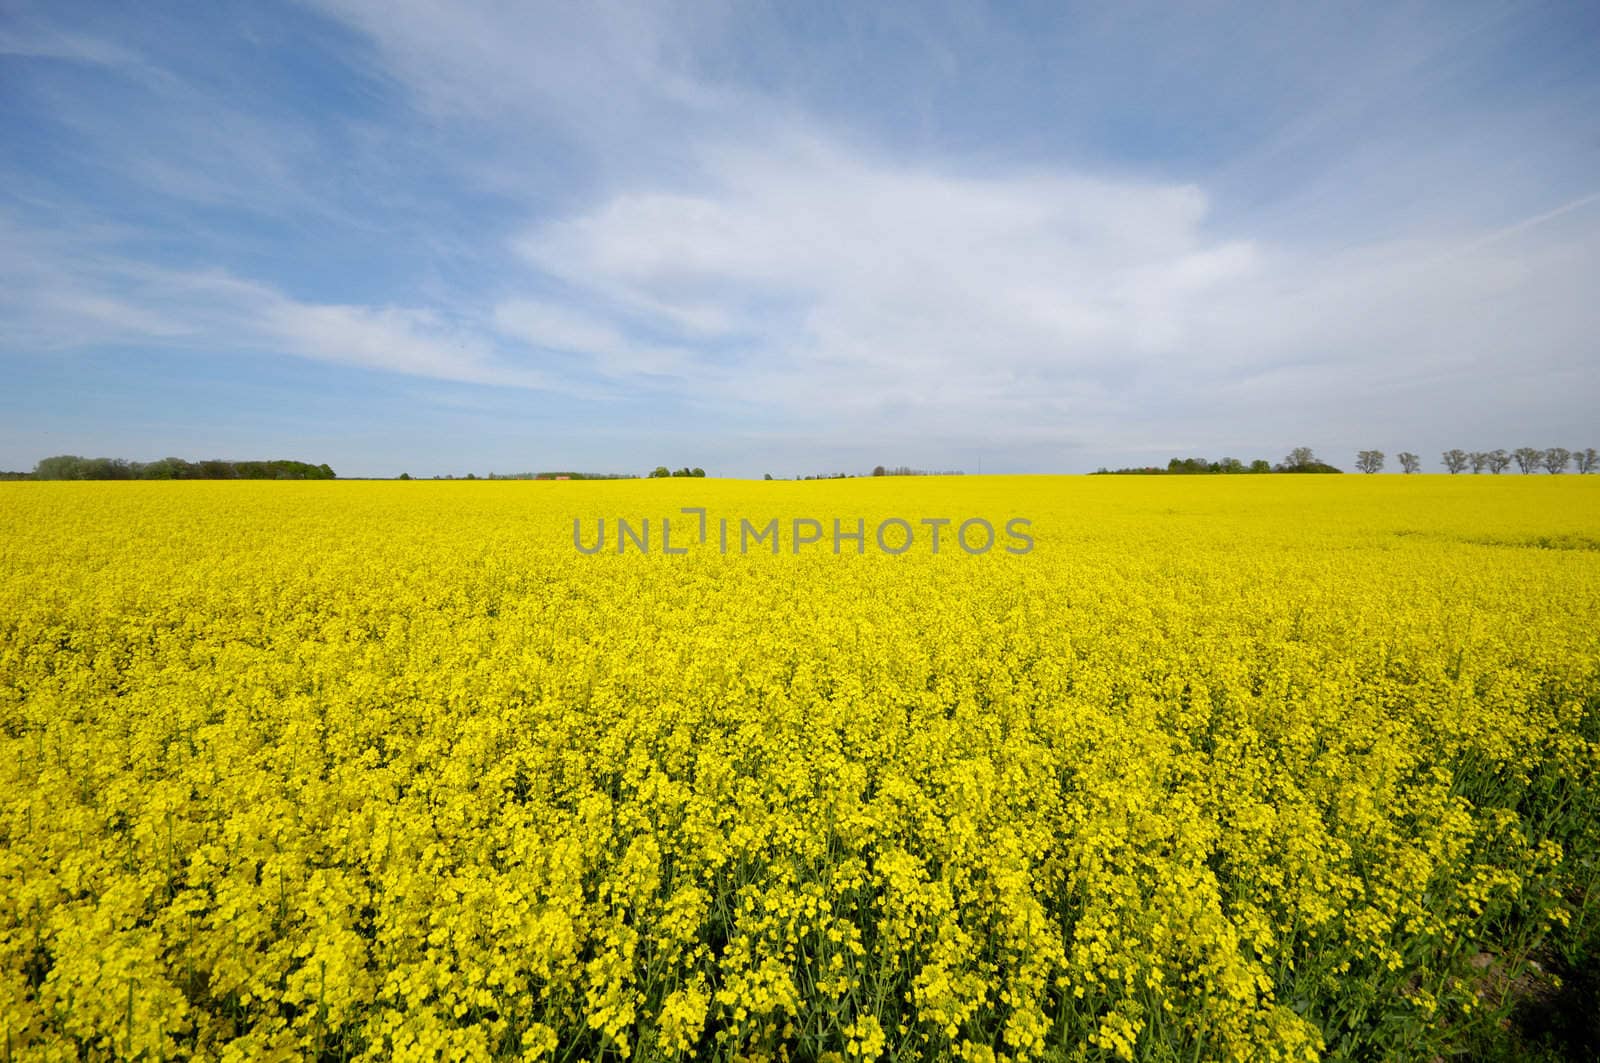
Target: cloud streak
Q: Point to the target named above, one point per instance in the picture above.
(63, 295)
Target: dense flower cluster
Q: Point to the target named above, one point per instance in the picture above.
(1222, 768)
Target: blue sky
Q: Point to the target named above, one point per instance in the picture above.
(791, 238)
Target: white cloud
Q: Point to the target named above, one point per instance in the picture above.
(838, 288)
(832, 275)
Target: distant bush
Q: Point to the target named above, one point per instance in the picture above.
(1314, 466)
(1196, 467)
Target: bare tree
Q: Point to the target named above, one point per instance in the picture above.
(1556, 459)
(1300, 457)
(1409, 462)
(1528, 458)
(1479, 460)
(1456, 460)
(1499, 461)
(1586, 460)
(1369, 460)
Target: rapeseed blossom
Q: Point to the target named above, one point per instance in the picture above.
(1222, 768)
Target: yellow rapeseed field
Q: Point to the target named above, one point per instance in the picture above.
(1250, 767)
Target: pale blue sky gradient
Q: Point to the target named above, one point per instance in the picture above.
(791, 238)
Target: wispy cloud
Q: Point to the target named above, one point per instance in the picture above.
(64, 294)
(22, 39)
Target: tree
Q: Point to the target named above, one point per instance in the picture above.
(1369, 461)
(1528, 458)
(59, 467)
(1409, 462)
(879, 470)
(661, 472)
(405, 476)
(1479, 460)
(1301, 459)
(166, 469)
(1498, 461)
(1456, 460)
(1586, 460)
(1556, 459)
(768, 476)
(697, 472)
(1261, 465)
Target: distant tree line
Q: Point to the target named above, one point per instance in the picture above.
(1527, 460)
(72, 467)
(1299, 460)
(563, 476)
(906, 470)
(528, 476)
(662, 472)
